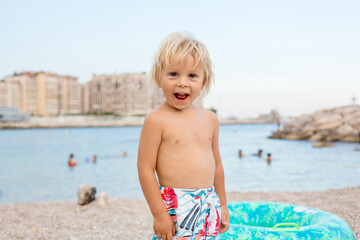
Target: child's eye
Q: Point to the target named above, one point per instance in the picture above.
(192, 75)
(173, 74)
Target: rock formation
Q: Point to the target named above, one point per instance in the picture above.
(86, 194)
(337, 124)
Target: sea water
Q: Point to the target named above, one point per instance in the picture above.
(33, 162)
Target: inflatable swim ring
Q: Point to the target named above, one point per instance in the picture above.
(263, 220)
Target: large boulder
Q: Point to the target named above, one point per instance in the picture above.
(337, 124)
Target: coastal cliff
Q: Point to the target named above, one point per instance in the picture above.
(337, 124)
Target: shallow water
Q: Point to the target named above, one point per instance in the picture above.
(33, 163)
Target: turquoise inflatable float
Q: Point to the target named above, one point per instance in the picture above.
(270, 221)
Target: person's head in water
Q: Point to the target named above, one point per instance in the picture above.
(240, 153)
(259, 153)
(71, 155)
(268, 159)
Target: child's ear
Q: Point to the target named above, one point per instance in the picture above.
(158, 83)
(203, 84)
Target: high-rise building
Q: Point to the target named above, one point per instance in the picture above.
(84, 98)
(21, 93)
(70, 95)
(49, 94)
(4, 94)
(123, 94)
(48, 91)
(44, 94)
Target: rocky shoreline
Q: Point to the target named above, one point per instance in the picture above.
(337, 124)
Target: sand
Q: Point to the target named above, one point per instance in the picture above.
(109, 218)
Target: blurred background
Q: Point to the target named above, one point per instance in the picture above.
(295, 56)
(73, 64)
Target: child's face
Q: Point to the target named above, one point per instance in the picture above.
(181, 82)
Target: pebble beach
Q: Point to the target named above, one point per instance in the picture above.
(111, 218)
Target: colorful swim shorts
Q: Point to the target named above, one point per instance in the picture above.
(196, 212)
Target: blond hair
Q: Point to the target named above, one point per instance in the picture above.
(181, 45)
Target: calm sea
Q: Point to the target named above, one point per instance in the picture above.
(33, 163)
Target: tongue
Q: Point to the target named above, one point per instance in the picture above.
(181, 96)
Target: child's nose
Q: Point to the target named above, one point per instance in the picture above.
(182, 82)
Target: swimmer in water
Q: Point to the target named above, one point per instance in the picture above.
(268, 159)
(240, 153)
(124, 154)
(72, 162)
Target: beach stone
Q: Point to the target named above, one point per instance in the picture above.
(323, 144)
(351, 138)
(103, 200)
(86, 194)
(317, 137)
(354, 121)
(277, 134)
(298, 135)
(310, 128)
(326, 116)
(346, 129)
(329, 125)
(292, 136)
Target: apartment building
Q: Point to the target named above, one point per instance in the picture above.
(48, 94)
(124, 94)
(17, 87)
(84, 98)
(4, 94)
(44, 94)
(70, 95)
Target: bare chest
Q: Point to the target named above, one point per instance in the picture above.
(196, 133)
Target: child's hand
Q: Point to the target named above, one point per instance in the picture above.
(225, 219)
(164, 226)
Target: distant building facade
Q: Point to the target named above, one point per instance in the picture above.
(123, 94)
(84, 95)
(43, 94)
(4, 95)
(70, 95)
(22, 93)
(49, 94)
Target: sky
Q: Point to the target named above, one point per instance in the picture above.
(293, 56)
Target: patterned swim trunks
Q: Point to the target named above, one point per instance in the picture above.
(195, 212)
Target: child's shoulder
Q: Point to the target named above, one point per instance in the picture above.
(210, 115)
(154, 118)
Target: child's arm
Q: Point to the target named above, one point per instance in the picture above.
(219, 181)
(150, 139)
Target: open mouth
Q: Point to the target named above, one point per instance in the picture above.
(181, 96)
